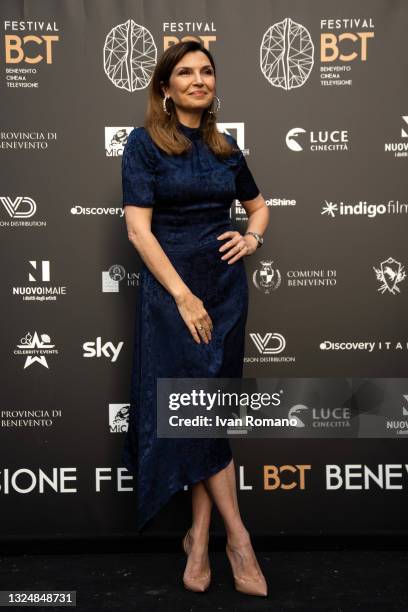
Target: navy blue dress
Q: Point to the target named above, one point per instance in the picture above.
(191, 196)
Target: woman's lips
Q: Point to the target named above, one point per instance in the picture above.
(198, 93)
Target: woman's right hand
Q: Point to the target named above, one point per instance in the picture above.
(194, 314)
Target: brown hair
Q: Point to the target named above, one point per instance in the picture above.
(162, 127)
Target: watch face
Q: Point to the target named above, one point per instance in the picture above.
(258, 237)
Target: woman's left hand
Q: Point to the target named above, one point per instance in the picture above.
(238, 246)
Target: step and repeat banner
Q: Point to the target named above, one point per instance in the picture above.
(316, 95)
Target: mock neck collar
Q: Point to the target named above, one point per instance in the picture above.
(190, 132)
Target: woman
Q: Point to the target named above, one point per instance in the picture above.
(180, 177)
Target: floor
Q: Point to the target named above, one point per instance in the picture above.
(303, 574)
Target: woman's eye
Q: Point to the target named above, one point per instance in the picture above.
(208, 71)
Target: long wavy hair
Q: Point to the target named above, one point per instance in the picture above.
(162, 127)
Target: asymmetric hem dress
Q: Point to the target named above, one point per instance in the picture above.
(191, 195)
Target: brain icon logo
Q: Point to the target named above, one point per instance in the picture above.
(129, 56)
(287, 53)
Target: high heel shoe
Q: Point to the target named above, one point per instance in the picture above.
(200, 584)
(244, 584)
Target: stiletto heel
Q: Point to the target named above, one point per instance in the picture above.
(244, 584)
(201, 584)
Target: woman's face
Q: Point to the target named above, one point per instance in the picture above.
(193, 72)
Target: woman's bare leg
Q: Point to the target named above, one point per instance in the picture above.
(222, 488)
(197, 542)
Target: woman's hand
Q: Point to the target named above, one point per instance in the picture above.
(238, 246)
(195, 316)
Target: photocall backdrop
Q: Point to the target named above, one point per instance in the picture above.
(315, 94)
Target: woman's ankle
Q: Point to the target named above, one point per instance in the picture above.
(238, 536)
(199, 534)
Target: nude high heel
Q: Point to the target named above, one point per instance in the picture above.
(200, 584)
(244, 584)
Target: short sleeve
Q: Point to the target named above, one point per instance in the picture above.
(246, 187)
(138, 171)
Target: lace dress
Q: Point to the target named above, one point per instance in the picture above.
(191, 196)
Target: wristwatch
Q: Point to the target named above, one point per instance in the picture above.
(257, 236)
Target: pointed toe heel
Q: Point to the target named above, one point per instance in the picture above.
(200, 584)
(249, 586)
